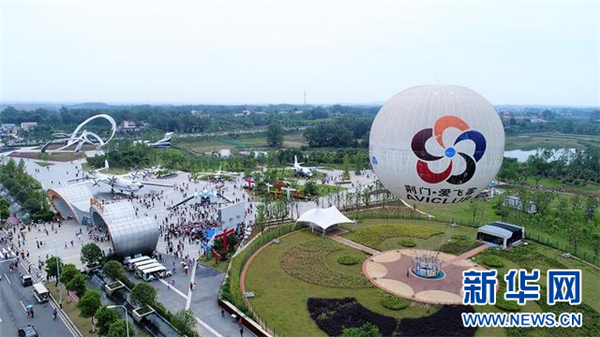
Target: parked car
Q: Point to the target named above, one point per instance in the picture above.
(26, 280)
(28, 331)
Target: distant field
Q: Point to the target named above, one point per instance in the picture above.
(550, 140)
(294, 140)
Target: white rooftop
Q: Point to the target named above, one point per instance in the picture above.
(324, 217)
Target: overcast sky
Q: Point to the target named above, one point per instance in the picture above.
(270, 52)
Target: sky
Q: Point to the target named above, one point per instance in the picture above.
(248, 52)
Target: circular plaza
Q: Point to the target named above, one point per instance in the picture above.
(393, 271)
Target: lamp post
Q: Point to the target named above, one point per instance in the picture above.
(60, 302)
(126, 321)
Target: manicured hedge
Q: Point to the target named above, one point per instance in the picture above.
(348, 260)
(408, 243)
(393, 302)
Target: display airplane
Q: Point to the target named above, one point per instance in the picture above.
(303, 170)
(120, 183)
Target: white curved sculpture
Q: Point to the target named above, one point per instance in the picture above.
(80, 139)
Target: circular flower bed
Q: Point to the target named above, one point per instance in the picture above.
(408, 243)
(347, 260)
(307, 263)
(394, 302)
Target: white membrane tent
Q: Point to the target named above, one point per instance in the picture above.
(323, 218)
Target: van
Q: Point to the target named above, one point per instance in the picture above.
(41, 293)
(26, 280)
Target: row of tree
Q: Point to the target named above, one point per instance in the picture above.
(25, 189)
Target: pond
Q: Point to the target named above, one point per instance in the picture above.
(523, 155)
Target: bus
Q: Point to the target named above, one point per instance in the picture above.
(139, 271)
(155, 273)
(139, 264)
(41, 293)
(129, 263)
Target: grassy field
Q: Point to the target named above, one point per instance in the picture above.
(550, 140)
(293, 140)
(557, 184)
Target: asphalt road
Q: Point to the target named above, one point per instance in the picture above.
(13, 300)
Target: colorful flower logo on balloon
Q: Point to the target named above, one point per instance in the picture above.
(450, 152)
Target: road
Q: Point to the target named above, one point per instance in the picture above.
(13, 299)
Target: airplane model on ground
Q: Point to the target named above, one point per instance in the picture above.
(118, 183)
(303, 170)
(164, 142)
(220, 175)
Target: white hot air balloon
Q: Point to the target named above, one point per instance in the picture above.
(436, 144)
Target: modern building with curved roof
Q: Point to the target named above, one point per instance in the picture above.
(71, 201)
(129, 233)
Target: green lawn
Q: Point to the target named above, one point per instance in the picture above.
(555, 183)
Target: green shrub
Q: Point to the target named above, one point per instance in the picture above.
(393, 302)
(348, 260)
(367, 330)
(408, 243)
(492, 261)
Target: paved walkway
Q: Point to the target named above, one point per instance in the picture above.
(466, 255)
(349, 243)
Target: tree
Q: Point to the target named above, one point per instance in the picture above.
(78, 284)
(68, 272)
(119, 329)
(104, 318)
(114, 269)
(89, 305)
(52, 266)
(346, 173)
(275, 135)
(310, 188)
(185, 321)
(367, 330)
(143, 294)
(91, 254)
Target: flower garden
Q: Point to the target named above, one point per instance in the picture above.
(306, 285)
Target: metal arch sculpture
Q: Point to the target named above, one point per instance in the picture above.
(80, 139)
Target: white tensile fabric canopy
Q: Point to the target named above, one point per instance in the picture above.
(324, 217)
